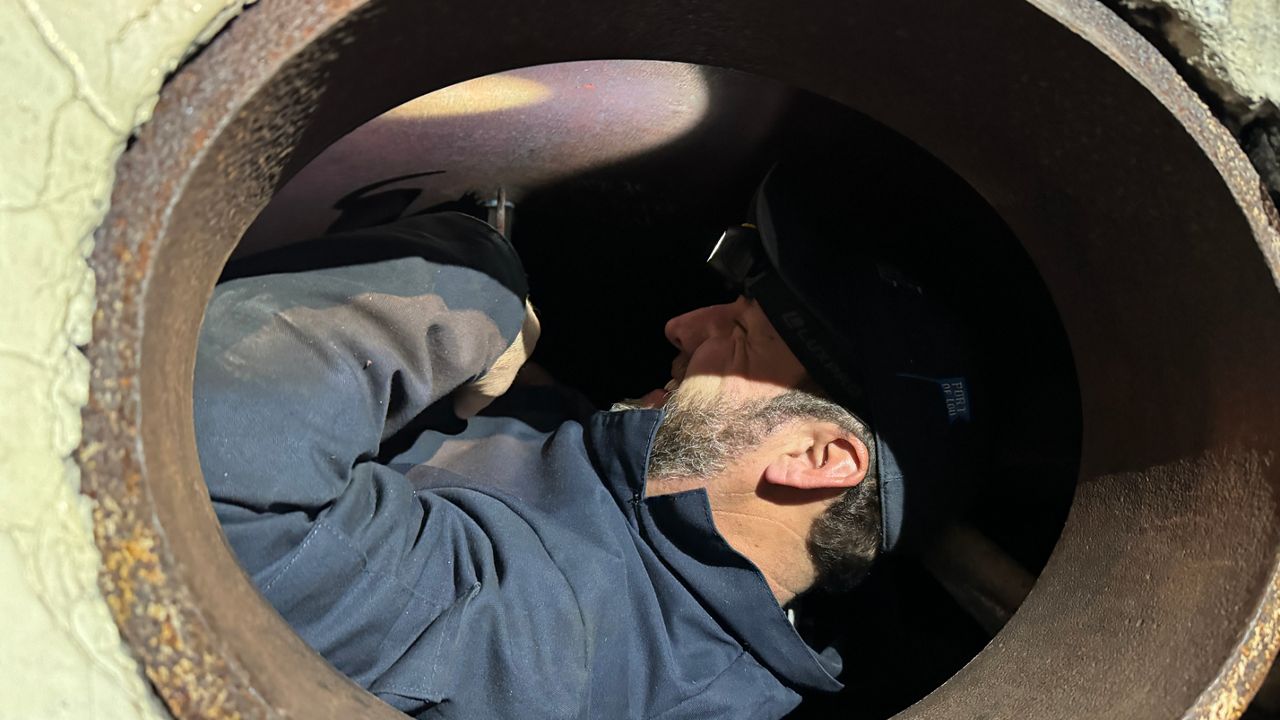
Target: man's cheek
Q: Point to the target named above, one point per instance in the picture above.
(714, 358)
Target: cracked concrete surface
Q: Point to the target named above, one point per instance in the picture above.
(1234, 44)
(1231, 50)
(78, 78)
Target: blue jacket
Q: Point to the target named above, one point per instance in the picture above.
(508, 567)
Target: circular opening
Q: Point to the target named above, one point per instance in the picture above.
(620, 175)
(1149, 229)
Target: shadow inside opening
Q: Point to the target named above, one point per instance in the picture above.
(622, 175)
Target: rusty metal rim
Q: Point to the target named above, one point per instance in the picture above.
(269, 92)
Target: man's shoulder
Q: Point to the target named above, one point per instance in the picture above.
(580, 601)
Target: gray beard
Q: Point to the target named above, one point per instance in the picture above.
(699, 436)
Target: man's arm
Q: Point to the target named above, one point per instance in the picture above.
(300, 377)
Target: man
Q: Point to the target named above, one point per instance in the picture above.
(533, 563)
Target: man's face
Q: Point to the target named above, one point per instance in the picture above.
(741, 417)
(729, 351)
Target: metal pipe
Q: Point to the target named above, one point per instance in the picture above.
(981, 577)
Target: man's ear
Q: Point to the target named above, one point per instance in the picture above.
(822, 455)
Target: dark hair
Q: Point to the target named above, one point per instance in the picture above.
(845, 540)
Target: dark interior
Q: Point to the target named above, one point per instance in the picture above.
(614, 251)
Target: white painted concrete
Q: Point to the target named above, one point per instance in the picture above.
(1235, 43)
(75, 78)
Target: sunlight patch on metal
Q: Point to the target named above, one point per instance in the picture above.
(1150, 228)
(529, 127)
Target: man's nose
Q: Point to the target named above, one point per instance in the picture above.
(677, 331)
(689, 330)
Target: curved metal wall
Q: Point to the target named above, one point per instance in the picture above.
(1149, 227)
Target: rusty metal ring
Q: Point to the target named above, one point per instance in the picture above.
(1150, 229)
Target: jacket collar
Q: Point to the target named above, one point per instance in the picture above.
(680, 529)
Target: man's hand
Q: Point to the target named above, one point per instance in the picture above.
(477, 394)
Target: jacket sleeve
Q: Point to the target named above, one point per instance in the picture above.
(300, 377)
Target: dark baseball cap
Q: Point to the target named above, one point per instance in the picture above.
(848, 288)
